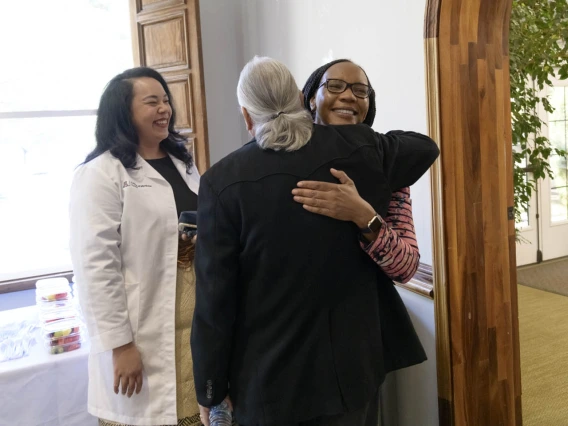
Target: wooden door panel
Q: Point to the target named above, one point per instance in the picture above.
(164, 42)
(181, 94)
(149, 5)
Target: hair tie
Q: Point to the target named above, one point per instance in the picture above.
(277, 115)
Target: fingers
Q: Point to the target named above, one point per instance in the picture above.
(124, 385)
(342, 176)
(229, 402)
(312, 194)
(128, 385)
(204, 415)
(319, 210)
(314, 202)
(316, 206)
(139, 382)
(116, 382)
(326, 186)
(318, 186)
(131, 386)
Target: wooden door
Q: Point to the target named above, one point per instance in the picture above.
(478, 354)
(166, 36)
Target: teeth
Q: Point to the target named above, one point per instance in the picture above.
(345, 111)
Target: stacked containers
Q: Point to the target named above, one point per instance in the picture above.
(62, 335)
(60, 323)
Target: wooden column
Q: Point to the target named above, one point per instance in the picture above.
(478, 342)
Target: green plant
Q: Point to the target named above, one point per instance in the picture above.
(538, 49)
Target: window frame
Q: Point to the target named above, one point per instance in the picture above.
(28, 283)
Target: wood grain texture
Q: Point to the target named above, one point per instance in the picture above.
(468, 40)
(167, 37)
(441, 301)
(146, 5)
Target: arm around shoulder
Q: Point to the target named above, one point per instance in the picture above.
(406, 156)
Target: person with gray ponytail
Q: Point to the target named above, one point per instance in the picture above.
(286, 327)
(272, 106)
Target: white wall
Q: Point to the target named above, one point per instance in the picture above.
(385, 38)
(417, 386)
(223, 58)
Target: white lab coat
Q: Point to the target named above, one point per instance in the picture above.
(124, 244)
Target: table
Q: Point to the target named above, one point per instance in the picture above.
(44, 389)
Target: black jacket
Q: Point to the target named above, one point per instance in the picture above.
(286, 309)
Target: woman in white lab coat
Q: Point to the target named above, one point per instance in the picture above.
(138, 304)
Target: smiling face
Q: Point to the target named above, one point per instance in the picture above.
(342, 108)
(151, 111)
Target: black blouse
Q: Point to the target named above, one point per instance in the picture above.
(186, 200)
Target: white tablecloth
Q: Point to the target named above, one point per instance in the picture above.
(43, 389)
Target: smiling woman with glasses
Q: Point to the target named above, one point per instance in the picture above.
(334, 85)
(390, 240)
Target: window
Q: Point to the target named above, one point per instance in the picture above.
(51, 81)
(524, 222)
(558, 135)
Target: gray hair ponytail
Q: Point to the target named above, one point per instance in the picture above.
(268, 91)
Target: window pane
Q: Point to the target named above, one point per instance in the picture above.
(558, 166)
(37, 159)
(524, 221)
(558, 205)
(558, 100)
(65, 52)
(557, 134)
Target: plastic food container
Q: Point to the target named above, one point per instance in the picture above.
(62, 328)
(55, 305)
(65, 340)
(53, 290)
(60, 313)
(62, 336)
(59, 349)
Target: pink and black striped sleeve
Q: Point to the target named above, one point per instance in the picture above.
(395, 250)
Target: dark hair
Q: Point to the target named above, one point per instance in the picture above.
(313, 82)
(115, 131)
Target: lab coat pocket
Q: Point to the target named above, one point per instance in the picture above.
(133, 303)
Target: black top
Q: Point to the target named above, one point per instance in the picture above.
(286, 301)
(185, 199)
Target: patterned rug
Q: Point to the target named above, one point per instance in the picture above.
(549, 276)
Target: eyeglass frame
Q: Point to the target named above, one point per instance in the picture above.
(347, 86)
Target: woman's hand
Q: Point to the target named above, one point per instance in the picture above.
(185, 237)
(339, 201)
(204, 411)
(127, 365)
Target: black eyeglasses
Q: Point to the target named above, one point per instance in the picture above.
(335, 85)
